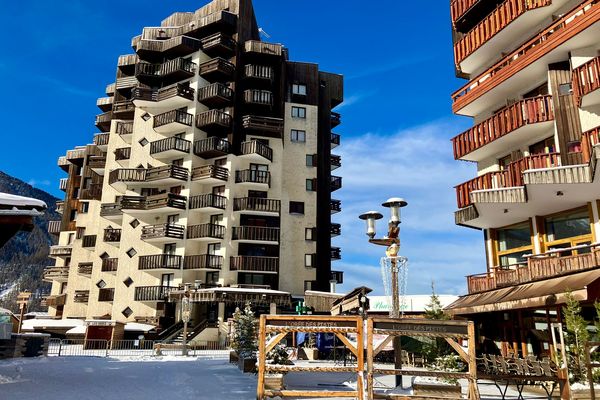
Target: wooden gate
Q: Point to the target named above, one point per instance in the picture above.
(279, 326)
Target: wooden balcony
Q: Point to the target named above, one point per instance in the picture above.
(159, 261)
(253, 177)
(218, 44)
(335, 229)
(203, 262)
(111, 211)
(62, 184)
(54, 227)
(208, 202)
(127, 176)
(110, 265)
(208, 174)
(88, 241)
(335, 140)
(262, 48)
(459, 7)
(335, 161)
(94, 192)
(267, 126)
(254, 234)
(256, 151)
(266, 265)
(81, 296)
(60, 206)
(539, 267)
(337, 276)
(336, 119)
(60, 251)
(336, 183)
(112, 235)
(59, 274)
(525, 117)
(511, 177)
(215, 95)
(335, 206)
(169, 148)
(211, 147)
(123, 153)
(172, 121)
(126, 82)
(103, 121)
(217, 70)
(152, 293)
(261, 72)
(257, 205)
(101, 139)
(56, 300)
(589, 140)
(85, 268)
(499, 19)
(206, 232)
(586, 82)
(97, 163)
(214, 122)
(258, 97)
(127, 60)
(179, 46)
(110, 89)
(106, 294)
(558, 33)
(162, 232)
(335, 253)
(166, 73)
(165, 175)
(105, 103)
(124, 128)
(164, 202)
(63, 163)
(175, 96)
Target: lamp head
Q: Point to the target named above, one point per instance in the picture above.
(370, 217)
(394, 204)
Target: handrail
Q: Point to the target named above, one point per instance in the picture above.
(586, 79)
(256, 147)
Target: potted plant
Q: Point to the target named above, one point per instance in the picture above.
(277, 356)
(310, 348)
(245, 340)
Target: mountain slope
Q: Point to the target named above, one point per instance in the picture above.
(25, 256)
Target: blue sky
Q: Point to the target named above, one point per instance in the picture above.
(398, 68)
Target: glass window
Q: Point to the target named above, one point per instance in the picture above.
(311, 185)
(298, 112)
(513, 258)
(299, 89)
(298, 136)
(514, 237)
(575, 223)
(296, 207)
(311, 160)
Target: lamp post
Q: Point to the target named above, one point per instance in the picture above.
(185, 316)
(392, 242)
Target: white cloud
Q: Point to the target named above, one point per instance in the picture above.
(417, 164)
(353, 99)
(35, 182)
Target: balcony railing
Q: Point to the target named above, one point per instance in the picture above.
(256, 46)
(217, 69)
(255, 233)
(55, 274)
(124, 109)
(60, 206)
(88, 241)
(159, 231)
(127, 175)
(178, 65)
(208, 200)
(586, 79)
(335, 161)
(158, 95)
(527, 111)
(215, 95)
(336, 182)
(500, 18)
(101, 139)
(85, 268)
(203, 261)
(335, 140)
(103, 121)
(211, 147)
(335, 206)
(152, 293)
(148, 203)
(54, 227)
(168, 144)
(254, 264)
(540, 45)
(81, 296)
(110, 209)
(178, 45)
(110, 264)
(336, 253)
(123, 153)
(259, 97)
(106, 294)
(589, 139)
(258, 72)
(257, 204)
(253, 176)
(206, 231)
(112, 235)
(105, 103)
(159, 261)
(210, 171)
(56, 300)
(512, 176)
(336, 119)
(266, 125)
(94, 192)
(133, 175)
(173, 117)
(337, 276)
(124, 128)
(218, 44)
(213, 119)
(459, 7)
(256, 147)
(335, 229)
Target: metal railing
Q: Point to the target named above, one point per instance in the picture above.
(256, 147)
(256, 204)
(206, 231)
(159, 261)
(208, 200)
(258, 233)
(203, 261)
(253, 176)
(210, 171)
(254, 264)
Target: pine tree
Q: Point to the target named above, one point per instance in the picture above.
(245, 334)
(433, 309)
(577, 336)
(435, 347)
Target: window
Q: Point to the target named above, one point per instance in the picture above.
(216, 219)
(310, 233)
(574, 147)
(167, 279)
(296, 207)
(146, 116)
(311, 185)
(127, 312)
(213, 249)
(565, 89)
(298, 112)
(311, 160)
(299, 89)
(75, 193)
(169, 248)
(134, 223)
(221, 162)
(218, 190)
(84, 207)
(567, 225)
(309, 260)
(512, 243)
(212, 278)
(128, 282)
(504, 161)
(172, 219)
(543, 147)
(143, 142)
(131, 252)
(100, 284)
(298, 136)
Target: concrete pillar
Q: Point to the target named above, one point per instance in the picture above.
(537, 248)
(489, 249)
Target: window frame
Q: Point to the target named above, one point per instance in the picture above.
(300, 111)
(295, 135)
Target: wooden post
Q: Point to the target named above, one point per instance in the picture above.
(360, 358)
(370, 357)
(262, 334)
(473, 389)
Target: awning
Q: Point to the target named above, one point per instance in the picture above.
(544, 293)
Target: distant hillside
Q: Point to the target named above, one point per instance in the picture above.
(25, 256)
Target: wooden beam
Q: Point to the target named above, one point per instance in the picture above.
(274, 340)
(260, 387)
(457, 347)
(381, 345)
(347, 342)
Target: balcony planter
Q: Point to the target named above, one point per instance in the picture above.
(274, 382)
(233, 357)
(309, 353)
(247, 364)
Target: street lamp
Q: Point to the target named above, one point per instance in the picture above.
(392, 262)
(185, 316)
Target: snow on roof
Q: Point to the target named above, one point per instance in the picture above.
(4, 311)
(31, 324)
(241, 290)
(136, 326)
(37, 314)
(19, 205)
(413, 303)
(78, 330)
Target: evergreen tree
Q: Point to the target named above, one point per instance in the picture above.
(436, 347)
(433, 309)
(245, 334)
(576, 337)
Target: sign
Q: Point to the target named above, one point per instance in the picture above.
(423, 327)
(312, 323)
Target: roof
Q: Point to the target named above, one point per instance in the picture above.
(534, 294)
(32, 324)
(11, 204)
(235, 295)
(415, 303)
(130, 326)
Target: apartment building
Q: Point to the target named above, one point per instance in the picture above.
(212, 169)
(533, 79)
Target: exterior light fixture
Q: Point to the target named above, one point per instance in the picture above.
(370, 217)
(394, 204)
(560, 193)
(146, 117)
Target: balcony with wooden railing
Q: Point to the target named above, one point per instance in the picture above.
(124, 128)
(511, 65)
(586, 82)
(257, 205)
(524, 117)
(112, 235)
(170, 71)
(162, 232)
(217, 70)
(218, 44)
(103, 121)
(88, 241)
(164, 175)
(106, 294)
(126, 60)
(97, 163)
(60, 206)
(335, 161)
(500, 19)
(85, 268)
(589, 139)
(267, 126)
(59, 274)
(335, 253)
(101, 139)
(122, 153)
(256, 150)
(56, 300)
(510, 177)
(93, 192)
(206, 232)
(175, 96)
(203, 262)
(215, 95)
(54, 227)
(459, 7)
(111, 210)
(110, 89)
(336, 119)
(336, 183)
(266, 265)
(335, 206)
(211, 147)
(262, 72)
(164, 202)
(60, 251)
(262, 48)
(172, 121)
(125, 82)
(258, 97)
(178, 46)
(123, 110)
(253, 176)
(110, 264)
(255, 234)
(81, 296)
(63, 163)
(210, 174)
(105, 103)
(170, 148)
(214, 121)
(159, 261)
(335, 140)
(152, 293)
(208, 202)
